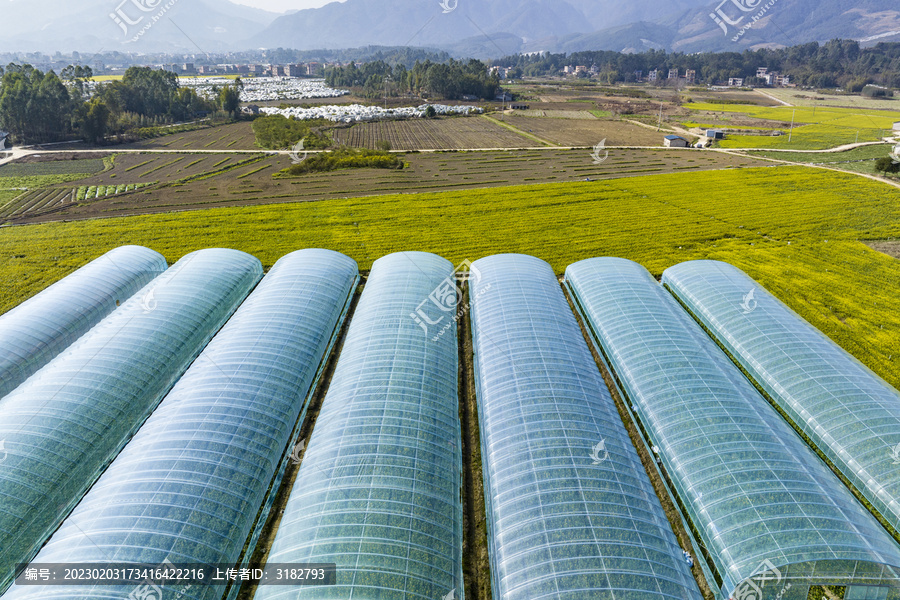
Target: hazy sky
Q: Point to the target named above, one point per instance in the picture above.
(284, 5)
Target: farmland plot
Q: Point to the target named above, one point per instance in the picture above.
(431, 134)
(574, 132)
(251, 181)
(233, 136)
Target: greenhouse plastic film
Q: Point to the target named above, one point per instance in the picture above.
(571, 511)
(378, 491)
(849, 413)
(34, 332)
(65, 424)
(190, 485)
(755, 493)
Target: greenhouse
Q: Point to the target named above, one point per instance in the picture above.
(64, 425)
(191, 487)
(378, 492)
(43, 326)
(850, 414)
(773, 519)
(571, 511)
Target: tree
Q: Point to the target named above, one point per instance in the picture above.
(430, 113)
(230, 97)
(96, 121)
(886, 164)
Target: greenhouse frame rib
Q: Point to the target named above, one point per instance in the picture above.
(765, 507)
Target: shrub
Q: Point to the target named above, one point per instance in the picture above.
(277, 132)
(346, 158)
(886, 164)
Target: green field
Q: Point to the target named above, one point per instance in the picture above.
(815, 128)
(859, 160)
(795, 229)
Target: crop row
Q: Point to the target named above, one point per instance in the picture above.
(101, 191)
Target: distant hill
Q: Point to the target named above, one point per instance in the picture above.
(86, 26)
(504, 27)
(487, 29)
(461, 27)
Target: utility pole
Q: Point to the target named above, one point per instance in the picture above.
(791, 134)
(659, 123)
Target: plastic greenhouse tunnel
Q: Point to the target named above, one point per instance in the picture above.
(192, 487)
(849, 413)
(771, 517)
(571, 511)
(34, 332)
(68, 421)
(378, 491)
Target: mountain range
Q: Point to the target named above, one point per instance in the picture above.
(462, 27)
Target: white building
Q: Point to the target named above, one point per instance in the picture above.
(675, 141)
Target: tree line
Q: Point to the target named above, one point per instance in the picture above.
(838, 63)
(450, 80)
(38, 107)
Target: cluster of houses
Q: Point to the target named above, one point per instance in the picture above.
(689, 76)
(676, 141)
(773, 78)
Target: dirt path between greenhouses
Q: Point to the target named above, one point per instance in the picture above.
(476, 563)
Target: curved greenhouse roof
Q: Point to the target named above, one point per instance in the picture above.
(191, 485)
(848, 412)
(571, 511)
(760, 498)
(65, 424)
(378, 492)
(32, 333)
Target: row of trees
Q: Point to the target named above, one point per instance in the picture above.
(37, 107)
(838, 63)
(451, 80)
